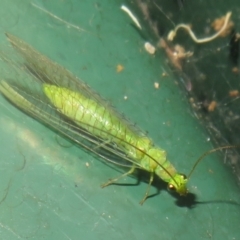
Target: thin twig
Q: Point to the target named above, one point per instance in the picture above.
(173, 33)
(130, 14)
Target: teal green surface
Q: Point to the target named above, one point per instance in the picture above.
(50, 189)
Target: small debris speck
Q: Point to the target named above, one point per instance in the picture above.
(164, 74)
(149, 48)
(156, 85)
(218, 23)
(234, 93)
(235, 70)
(119, 68)
(212, 106)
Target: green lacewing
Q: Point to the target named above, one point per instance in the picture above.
(54, 96)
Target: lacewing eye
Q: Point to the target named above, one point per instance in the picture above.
(171, 188)
(184, 176)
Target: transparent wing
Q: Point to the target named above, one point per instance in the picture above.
(50, 72)
(22, 85)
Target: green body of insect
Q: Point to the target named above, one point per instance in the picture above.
(73, 100)
(101, 122)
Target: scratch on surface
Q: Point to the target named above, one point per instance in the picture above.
(10, 230)
(84, 201)
(6, 191)
(66, 236)
(69, 25)
(90, 206)
(24, 160)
